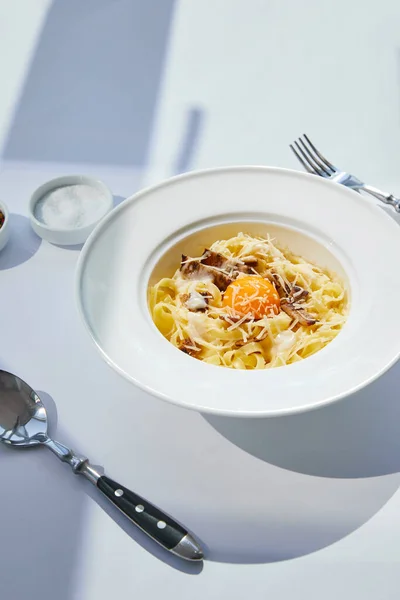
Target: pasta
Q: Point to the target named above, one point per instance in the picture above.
(248, 304)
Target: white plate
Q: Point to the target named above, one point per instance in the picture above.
(323, 221)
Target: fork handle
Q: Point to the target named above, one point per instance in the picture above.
(382, 196)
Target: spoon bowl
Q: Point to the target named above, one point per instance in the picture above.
(23, 417)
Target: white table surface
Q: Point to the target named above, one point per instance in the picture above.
(304, 506)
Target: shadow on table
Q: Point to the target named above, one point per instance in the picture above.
(42, 515)
(356, 437)
(87, 101)
(193, 131)
(268, 515)
(118, 200)
(130, 529)
(22, 245)
(338, 464)
(273, 514)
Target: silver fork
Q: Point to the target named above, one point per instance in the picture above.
(314, 162)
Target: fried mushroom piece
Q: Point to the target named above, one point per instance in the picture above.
(187, 347)
(251, 261)
(215, 267)
(192, 268)
(290, 296)
(298, 313)
(231, 267)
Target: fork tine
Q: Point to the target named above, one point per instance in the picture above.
(318, 153)
(308, 159)
(305, 165)
(314, 158)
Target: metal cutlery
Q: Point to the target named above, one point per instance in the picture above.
(314, 162)
(23, 423)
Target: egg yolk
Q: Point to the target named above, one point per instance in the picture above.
(252, 295)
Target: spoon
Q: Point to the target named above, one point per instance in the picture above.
(23, 423)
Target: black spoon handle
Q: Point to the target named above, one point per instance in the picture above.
(151, 520)
(156, 524)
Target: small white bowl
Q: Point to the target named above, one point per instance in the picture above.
(324, 222)
(5, 229)
(61, 235)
